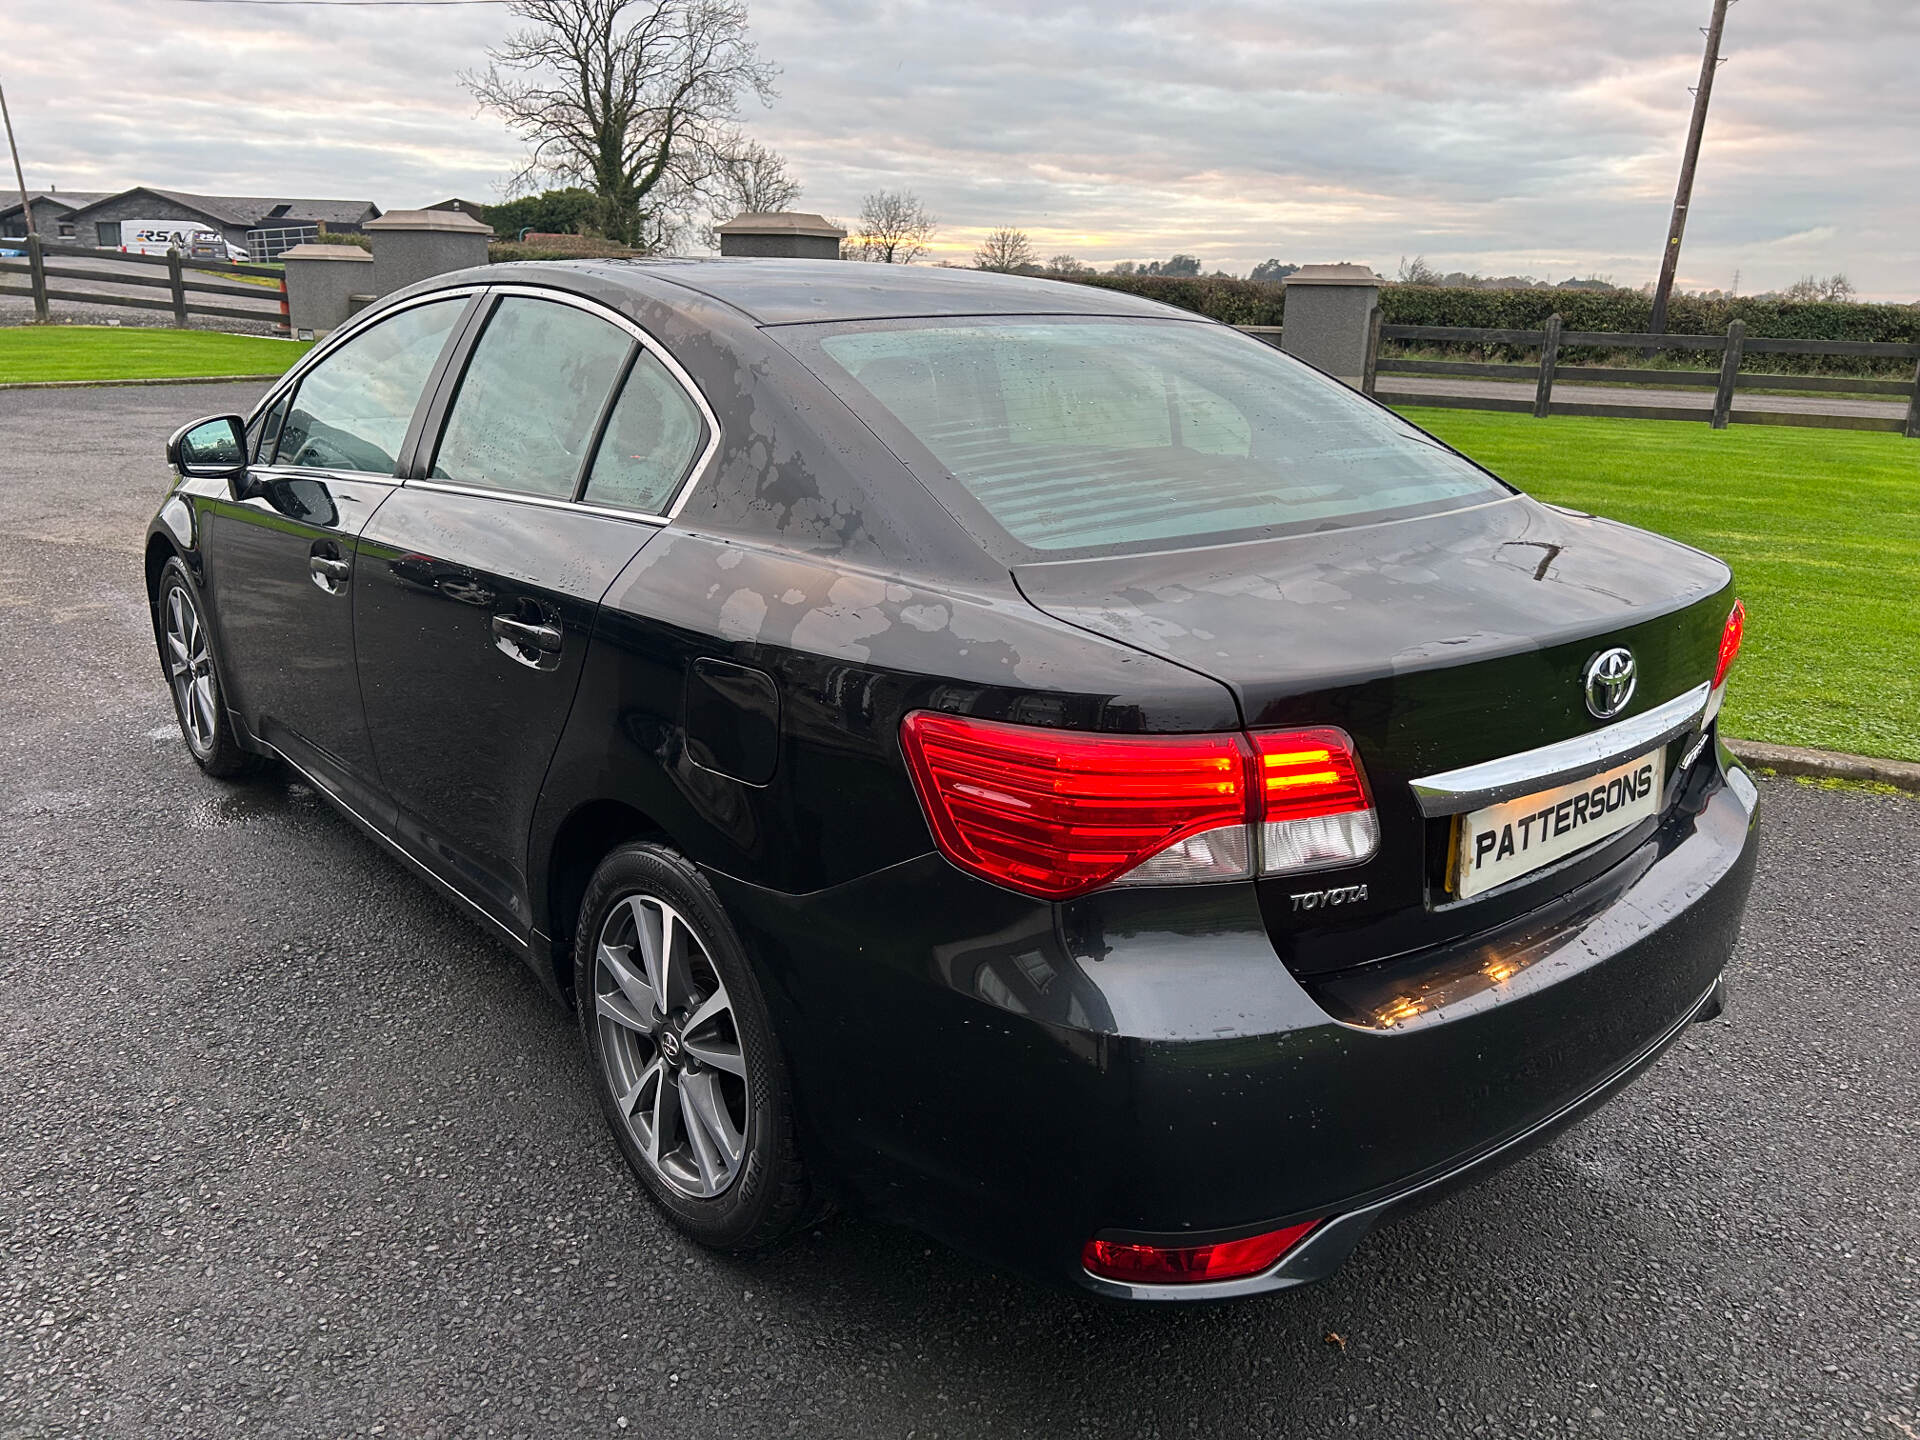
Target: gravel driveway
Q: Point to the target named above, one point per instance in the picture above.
(291, 1148)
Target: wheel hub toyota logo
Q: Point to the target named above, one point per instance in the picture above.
(1610, 680)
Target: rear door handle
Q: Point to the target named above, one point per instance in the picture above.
(543, 638)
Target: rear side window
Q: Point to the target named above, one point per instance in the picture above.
(531, 398)
(1094, 435)
(352, 409)
(652, 439)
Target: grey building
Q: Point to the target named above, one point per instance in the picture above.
(263, 226)
(463, 207)
(794, 234)
(52, 213)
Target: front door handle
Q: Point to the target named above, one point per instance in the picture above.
(328, 573)
(544, 639)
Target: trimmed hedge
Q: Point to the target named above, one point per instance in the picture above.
(1237, 302)
(1246, 302)
(558, 247)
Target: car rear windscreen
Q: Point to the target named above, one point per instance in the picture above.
(1092, 434)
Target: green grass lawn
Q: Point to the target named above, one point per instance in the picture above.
(1822, 528)
(114, 352)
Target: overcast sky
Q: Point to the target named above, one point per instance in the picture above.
(1491, 135)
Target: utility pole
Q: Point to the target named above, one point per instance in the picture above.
(26, 205)
(1670, 259)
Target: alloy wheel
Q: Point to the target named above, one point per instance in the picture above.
(190, 669)
(669, 1046)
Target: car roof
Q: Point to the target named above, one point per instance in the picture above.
(790, 292)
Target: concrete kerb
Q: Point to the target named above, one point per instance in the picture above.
(148, 380)
(1828, 764)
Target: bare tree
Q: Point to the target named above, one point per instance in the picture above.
(753, 180)
(1819, 287)
(1067, 265)
(1005, 250)
(750, 180)
(894, 228)
(1418, 272)
(634, 98)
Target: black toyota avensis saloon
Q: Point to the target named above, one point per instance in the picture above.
(1000, 755)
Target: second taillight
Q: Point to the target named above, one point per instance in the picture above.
(1059, 813)
(1314, 803)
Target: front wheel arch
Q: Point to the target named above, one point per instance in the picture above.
(221, 753)
(160, 549)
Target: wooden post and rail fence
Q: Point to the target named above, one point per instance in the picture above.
(179, 276)
(1733, 348)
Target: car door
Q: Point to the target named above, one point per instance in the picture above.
(280, 551)
(545, 466)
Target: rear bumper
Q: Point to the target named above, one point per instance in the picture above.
(1017, 1078)
(1324, 1250)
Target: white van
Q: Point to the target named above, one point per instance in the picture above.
(156, 237)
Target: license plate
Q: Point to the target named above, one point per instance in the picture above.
(1500, 843)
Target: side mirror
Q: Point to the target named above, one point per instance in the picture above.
(210, 449)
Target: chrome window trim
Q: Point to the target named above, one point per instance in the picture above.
(1491, 781)
(654, 348)
(312, 472)
(523, 497)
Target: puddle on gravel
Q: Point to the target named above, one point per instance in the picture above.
(251, 804)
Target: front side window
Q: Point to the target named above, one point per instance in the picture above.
(353, 408)
(652, 439)
(1094, 435)
(531, 398)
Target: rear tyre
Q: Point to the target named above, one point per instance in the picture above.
(685, 1062)
(193, 678)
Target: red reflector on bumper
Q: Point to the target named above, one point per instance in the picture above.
(1190, 1264)
(1731, 635)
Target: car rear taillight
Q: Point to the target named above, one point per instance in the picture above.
(1055, 813)
(1730, 637)
(1058, 813)
(1313, 801)
(1191, 1264)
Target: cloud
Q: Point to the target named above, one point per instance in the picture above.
(1496, 135)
